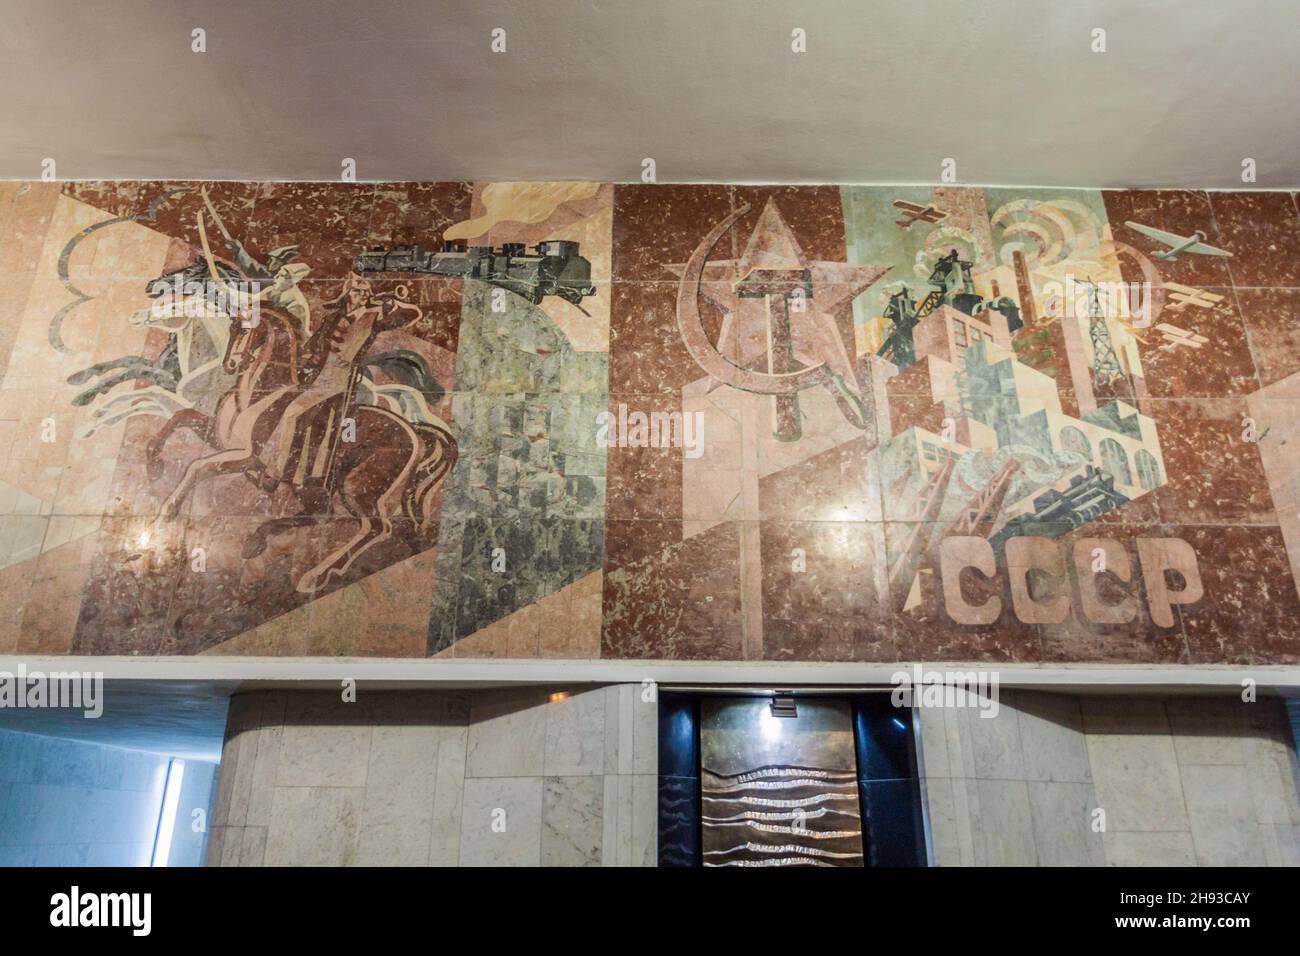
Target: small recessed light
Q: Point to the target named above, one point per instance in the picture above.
(783, 704)
(558, 696)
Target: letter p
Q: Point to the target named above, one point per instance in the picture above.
(1157, 556)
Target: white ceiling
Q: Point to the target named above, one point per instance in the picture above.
(709, 88)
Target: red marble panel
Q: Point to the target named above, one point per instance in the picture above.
(822, 591)
(1213, 475)
(1217, 363)
(329, 222)
(646, 353)
(659, 225)
(642, 482)
(1250, 613)
(682, 602)
(1180, 211)
(410, 213)
(815, 215)
(1262, 231)
(1272, 320)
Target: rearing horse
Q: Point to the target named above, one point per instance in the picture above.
(393, 469)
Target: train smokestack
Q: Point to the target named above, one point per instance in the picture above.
(1028, 312)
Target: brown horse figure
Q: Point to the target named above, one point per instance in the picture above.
(393, 468)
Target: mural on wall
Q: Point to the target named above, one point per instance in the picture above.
(585, 419)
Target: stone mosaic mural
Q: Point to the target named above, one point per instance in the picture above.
(586, 420)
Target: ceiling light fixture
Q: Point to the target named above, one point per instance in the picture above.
(783, 704)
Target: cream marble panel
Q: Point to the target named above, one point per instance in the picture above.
(961, 750)
(934, 742)
(1062, 818)
(626, 727)
(995, 742)
(612, 694)
(944, 835)
(326, 743)
(1224, 828)
(645, 730)
(397, 819)
(1171, 848)
(1117, 714)
(232, 847)
(572, 830)
(1137, 781)
(1051, 738)
(225, 779)
(575, 734)
(1004, 834)
(314, 826)
(644, 844)
(519, 842)
(253, 848)
(1281, 844)
(266, 763)
(213, 853)
(616, 837)
(448, 794)
(1210, 731)
(249, 730)
(507, 734)
(965, 803)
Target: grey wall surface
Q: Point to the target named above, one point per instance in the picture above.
(1205, 781)
(71, 803)
(419, 778)
(713, 92)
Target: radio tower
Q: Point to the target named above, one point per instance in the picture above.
(1105, 363)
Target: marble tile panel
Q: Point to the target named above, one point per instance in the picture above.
(1224, 828)
(501, 823)
(1172, 848)
(313, 826)
(1062, 817)
(507, 734)
(1180, 211)
(571, 821)
(1137, 782)
(575, 734)
(1262, 231)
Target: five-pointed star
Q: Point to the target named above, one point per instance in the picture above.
(772, 247)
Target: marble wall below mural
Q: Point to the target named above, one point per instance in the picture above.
(524, 777)
(1049, 780)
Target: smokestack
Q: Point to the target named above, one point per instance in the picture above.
(1028, 313)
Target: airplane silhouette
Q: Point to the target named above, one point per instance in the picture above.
(1174, 337)
(915, 212)
(1181, 296)
(1193, 243)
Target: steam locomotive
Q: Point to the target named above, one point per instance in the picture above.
(554, 266)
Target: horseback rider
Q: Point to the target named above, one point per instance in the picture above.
(328, 371)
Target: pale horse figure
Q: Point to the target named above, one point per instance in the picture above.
(202, 330)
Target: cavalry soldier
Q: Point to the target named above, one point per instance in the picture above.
(328, 371)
